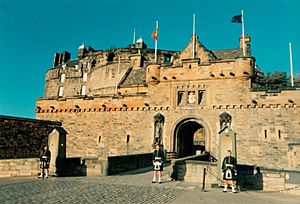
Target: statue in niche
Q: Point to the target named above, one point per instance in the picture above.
(191, 97)
(159, 120)
(157, 130)
(225, 120)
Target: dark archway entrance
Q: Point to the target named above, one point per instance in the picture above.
(189, 137)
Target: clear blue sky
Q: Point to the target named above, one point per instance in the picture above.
(32, 30)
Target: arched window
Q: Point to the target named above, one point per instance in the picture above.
(93, 63)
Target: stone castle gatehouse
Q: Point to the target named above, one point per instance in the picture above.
(119, 102)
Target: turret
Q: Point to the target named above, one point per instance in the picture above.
(140, 44)
(153, 74)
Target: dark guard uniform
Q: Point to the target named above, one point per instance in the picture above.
(45, 157)
(229, 168)
(158, 158)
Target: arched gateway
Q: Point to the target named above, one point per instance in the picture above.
(190, 136)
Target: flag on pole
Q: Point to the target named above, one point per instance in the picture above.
(155, 34)
(155, 37)
(237, 19)
(240, 19)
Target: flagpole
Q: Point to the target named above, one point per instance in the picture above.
(133, 40)
(243, 33)
(156, 44)
(194, 35)
(291, 64)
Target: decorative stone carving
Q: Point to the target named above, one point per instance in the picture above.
(191, 97)
(225, 120)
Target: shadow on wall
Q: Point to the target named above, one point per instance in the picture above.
(125, 163)
(70, 167)
(258, 179)
(247, 178)
(179, 171)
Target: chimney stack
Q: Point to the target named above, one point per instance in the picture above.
(65, 56)
(56, 59)
(247, 44)
(60, 58)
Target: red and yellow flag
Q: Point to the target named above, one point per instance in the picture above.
(155, 34)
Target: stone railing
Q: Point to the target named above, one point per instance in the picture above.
(191, 169)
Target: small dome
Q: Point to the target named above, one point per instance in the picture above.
(140, 40)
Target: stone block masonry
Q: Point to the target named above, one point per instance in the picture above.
(19, 167)
(22, 137)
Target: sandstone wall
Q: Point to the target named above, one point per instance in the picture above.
(19, 167)
(123, 131)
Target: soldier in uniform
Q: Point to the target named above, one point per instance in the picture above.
(229, 171)
(45, 157)
(157, 158)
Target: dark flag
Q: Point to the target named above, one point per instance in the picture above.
(237, 19)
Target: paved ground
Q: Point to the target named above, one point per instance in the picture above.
(133, 187)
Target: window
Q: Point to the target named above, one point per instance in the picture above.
(93, 63)
(62, 78)
(84, 76)
(83, 90)
(200, 97)
(266, 134)
(167, 58)
(110, 57)
(127, 139)
(279, 134)
(61, 91)
(180, 98)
